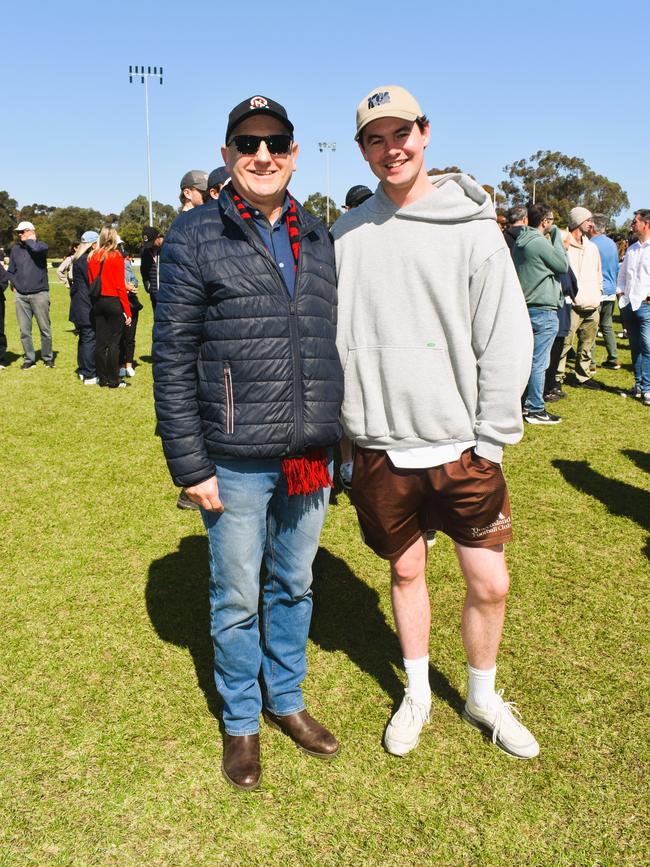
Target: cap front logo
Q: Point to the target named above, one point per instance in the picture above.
(259, 102)
(378, 99)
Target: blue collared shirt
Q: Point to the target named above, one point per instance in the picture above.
(276, 240)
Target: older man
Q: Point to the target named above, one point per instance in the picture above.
(248, 388)
(28, 275)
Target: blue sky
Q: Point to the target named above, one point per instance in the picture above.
(498, 81)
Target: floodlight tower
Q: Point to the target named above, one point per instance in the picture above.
(326, 147)
(139, 72)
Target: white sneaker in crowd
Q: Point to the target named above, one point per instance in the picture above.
(499, 720)
(129, 371)
(403, 731)
(91, 380)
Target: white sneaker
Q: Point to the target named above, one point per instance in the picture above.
(403, 731)
(507, 732)
(129, 371)
(92, 380)
(431, 538)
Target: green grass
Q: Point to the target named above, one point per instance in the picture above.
(109, 744)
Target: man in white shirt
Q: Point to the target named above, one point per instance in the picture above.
(633, 290)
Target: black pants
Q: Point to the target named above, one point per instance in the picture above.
(127, 340)
(551, 370)
(3, 336)
(109, 321)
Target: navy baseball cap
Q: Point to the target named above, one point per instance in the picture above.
(257, 105)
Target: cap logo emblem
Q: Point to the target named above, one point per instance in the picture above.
(259, 102)
(378, 99)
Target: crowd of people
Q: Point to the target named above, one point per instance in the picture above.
(412, 333)
(571, 280)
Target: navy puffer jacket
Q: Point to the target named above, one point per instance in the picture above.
(240, 368)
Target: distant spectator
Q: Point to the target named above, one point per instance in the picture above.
(517, 218)
(194, 189)
(584, 260)
(4, 282)
(28, 276)
(127, 340)
(64, 271)
(216, 181)
(150, 262)
(501, 222)
(81, 309)
(609, 265)
(540, 258)
(112, 309)
(633, 291)
(355, 196)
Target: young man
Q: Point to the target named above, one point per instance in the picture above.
(248, 389)
(436, 345)
(540, 259)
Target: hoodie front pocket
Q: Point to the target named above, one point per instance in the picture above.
(230, 399)
(403, 392)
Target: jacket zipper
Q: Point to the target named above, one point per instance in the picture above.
(297, 444)
(230, 400)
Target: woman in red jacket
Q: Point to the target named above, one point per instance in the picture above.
(112, 310)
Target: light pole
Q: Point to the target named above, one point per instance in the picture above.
(327, 146)
(144, 77)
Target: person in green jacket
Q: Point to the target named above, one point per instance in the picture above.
(539, 257)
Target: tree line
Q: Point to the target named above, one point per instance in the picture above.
(561, 181)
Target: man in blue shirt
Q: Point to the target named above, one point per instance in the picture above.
(609, 260)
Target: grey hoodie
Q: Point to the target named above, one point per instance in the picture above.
(433, 331)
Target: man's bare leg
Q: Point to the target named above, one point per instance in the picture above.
(412, 613)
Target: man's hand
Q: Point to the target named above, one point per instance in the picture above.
(206, 494)
(127, 319)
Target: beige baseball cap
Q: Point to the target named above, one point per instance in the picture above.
(387, 101)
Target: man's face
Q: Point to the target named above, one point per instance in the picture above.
(26, 235)
(394, 150)
(547, 223)
(196, 197)
(586, 227)
(158, 241)
(261, 178)
(639, 227)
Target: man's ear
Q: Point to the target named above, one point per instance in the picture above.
(225, 156)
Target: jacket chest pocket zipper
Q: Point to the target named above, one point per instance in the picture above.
(230, 400)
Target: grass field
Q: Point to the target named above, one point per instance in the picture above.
(110, 743)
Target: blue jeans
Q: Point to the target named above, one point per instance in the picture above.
(261, 523)
(545, 325)
(637, 323)
(86, 351)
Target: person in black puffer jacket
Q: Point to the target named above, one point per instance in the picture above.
(248, 388)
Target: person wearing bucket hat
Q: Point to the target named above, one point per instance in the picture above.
(436, 345)
(248, 387)
(28, 275)
(584, 260)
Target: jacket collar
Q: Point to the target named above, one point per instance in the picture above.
(306, 220)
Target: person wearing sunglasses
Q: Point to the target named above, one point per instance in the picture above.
(28, 275)
(248, 387)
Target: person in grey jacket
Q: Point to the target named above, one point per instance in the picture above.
(28, 275)
(436, 344)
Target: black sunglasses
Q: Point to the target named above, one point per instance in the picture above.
(278, 143)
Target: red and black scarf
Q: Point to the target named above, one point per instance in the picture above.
(309, 472)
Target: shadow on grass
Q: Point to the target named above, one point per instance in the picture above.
(347, 617)
(641, 459)
(619, 497)
(179, 608)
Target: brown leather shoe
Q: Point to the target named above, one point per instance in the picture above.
(241, 761)
(306, 733)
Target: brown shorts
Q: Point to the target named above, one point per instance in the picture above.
(467, 499)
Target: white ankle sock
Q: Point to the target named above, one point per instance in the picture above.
(417, 671)
(480, 685)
